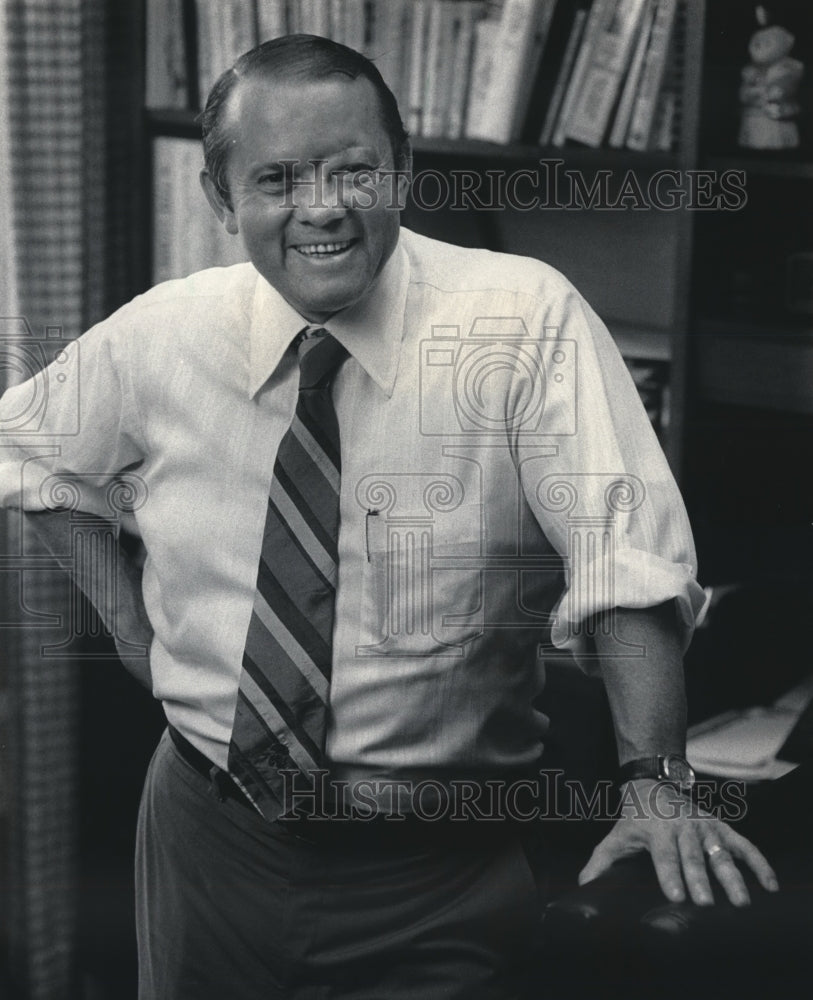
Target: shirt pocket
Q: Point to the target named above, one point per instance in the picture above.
(422, 587)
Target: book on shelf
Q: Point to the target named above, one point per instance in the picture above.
(568, 58)
(186, 236)
(272, 19)
(413, 114)
(532, 79)
(465, 17)
(485, 40)
(167, 82)
(517, 51)
(642, 133)
(592, 29)
(438, 63)
(590, 116)
(355, 25)
(494, 70)
(309, 17)
(621, 122)
(225, 30)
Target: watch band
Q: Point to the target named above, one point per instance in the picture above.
(659, 767)
(642, 767)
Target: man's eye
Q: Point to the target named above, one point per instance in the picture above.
(276, 179)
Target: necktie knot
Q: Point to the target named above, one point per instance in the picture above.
(320, 355)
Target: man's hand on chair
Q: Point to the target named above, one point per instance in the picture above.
(687, 846)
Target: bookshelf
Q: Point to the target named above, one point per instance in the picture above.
(754, 268)
(645, 299)
(750, 340)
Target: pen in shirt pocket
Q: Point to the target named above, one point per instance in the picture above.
(371, 512)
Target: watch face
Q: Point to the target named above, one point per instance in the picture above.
(679, 770)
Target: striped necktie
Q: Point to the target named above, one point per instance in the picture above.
(282, 701)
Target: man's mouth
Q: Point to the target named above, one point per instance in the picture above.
(325, 249)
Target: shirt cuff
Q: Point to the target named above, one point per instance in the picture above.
(638, 579)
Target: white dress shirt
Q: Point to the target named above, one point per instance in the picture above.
(501, 485)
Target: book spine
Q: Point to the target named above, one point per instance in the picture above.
(485, 37)
(319, 18)
(337, 10)
(167, 84)
(465, 18)
(355, 25)
(528, 79)
(591, 114)
(238, 28)
(569, 57)
(594, 24)
(652, 75)
(207, 34)
(618, 134)
(417, 67)
(272, 19)
(190, 212)
(307, 17)
(510, 58)
(432, 120)
(296, 16)
(406, 59)
(664, 120)
(163, 199)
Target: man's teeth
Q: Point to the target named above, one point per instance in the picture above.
(314, 249)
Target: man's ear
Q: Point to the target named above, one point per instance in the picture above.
(405, 175)
(222, 208)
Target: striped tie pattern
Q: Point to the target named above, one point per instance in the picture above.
(281, 709)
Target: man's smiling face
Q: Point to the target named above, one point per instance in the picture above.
(297, 219)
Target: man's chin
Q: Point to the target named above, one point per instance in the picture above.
(318, 309)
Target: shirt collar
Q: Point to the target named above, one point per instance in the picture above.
(371, 329)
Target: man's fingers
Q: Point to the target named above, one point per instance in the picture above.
(666, 860)
(743, 849)
(600, 861)
(726, 872)
(695, 874)
(622, 841)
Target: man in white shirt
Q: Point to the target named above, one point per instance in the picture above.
(501, 492)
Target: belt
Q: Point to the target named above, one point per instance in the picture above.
(379, 830)
(220, 782)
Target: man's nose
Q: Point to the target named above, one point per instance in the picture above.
(319, 199)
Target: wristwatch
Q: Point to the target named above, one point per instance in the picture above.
(669, 767)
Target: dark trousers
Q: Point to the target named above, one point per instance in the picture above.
(231, 907)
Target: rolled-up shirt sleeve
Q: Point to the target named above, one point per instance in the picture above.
(69, 430)
(607, 501)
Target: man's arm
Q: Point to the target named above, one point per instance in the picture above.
(648, 705)
(121, 608)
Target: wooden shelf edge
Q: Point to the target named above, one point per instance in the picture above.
(180, 122)
(767, 165)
